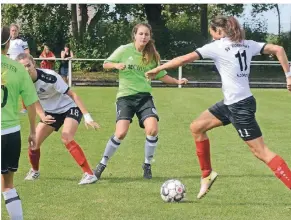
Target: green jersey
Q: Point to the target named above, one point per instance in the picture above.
(15, 81)
(132, 79)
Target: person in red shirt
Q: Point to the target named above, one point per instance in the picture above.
(46, 53)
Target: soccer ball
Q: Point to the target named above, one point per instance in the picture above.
(173, 191)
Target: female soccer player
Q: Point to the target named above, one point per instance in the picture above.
(134, 94)
(232, 55)
(66, 108)
(17, 46)
(15, 81)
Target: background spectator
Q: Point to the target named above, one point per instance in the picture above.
(64, 68)
(46, 53)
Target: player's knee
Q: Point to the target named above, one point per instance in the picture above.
(196, 127)
(152, 131)
(120, 134)
(66, 138)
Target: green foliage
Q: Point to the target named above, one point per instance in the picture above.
(109, 26)
(100, 43)
(225, 9)
(40, 24)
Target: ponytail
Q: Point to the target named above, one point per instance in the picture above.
(233, 30)
(230, 26)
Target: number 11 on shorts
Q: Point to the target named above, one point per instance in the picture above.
(243, 133)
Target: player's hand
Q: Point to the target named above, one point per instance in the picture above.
(151, 74)
(48, 119)
(182, 81)
(32, 140)
(120, 66)
(92, 124)
(288, 80)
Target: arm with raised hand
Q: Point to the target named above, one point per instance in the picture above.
(282, 58)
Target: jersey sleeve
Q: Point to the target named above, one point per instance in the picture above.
(115, 57)
(161, 74)
(24, 45)
(27, 91)
(60, 85)
(208, 51)
(256, 48)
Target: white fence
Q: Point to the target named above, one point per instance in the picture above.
(180, 69)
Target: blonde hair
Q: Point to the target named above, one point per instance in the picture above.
(149, 53)
(23, 56)
(15, 25)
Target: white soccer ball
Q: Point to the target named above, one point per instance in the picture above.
(173, 191)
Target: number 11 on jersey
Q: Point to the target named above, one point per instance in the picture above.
(239, 57)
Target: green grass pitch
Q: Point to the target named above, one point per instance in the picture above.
(246, 188)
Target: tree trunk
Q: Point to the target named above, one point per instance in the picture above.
(161, 33)
(279, 19)
(83, 22)
(97, 17)
(204, 21)
(74, 21)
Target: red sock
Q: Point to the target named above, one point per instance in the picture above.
(34, 156)
(281, 170)
(203, 153)
(79, 156)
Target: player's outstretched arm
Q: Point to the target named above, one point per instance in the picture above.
(282, 58)
(87, 117)
(118, 66)
(174, 63)
(170, 80)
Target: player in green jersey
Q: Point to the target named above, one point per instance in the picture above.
(15, 81)
(134, 94)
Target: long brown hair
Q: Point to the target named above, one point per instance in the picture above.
(149, 53)
(230, 26)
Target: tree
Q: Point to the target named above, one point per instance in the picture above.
(156, 20)
(40, 24)
(74, 21)
(259, 8)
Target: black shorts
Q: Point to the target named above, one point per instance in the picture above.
(140, 104)
(73, 112)
(241, 115)
(10, 152)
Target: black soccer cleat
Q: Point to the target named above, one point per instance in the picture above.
(147, 172)
(99, 170)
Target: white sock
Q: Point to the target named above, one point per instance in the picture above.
(111, 146)
(13, 204)
(150, 147)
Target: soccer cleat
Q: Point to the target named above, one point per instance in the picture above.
(23, 111)
(147, 172)
(88, 179)
(32, 175)
(99, 170)
(206, 184)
